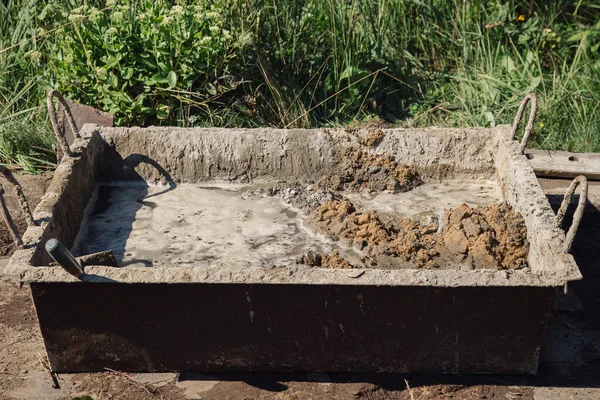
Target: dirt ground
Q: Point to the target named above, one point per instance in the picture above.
(570, 366)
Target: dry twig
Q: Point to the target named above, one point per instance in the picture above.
(150, 391)
(46, 364)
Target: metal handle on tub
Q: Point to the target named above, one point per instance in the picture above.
(64, 258)
(10, 224)
(62, 140)
(560, 215)
(20, 195)
(531, 97)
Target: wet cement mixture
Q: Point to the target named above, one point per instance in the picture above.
(197, 225)
(486, 236)
(367, 211)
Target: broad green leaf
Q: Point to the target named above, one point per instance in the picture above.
(156, 78)
(350, 72)
(210, 88)
(508, 63)
(163, 67)
(128, 73)
(113, 61)
(577, 37)
(172, 79)
(534, 82)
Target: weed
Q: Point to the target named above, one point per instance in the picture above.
(249, 63)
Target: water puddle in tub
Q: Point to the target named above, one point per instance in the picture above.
(237, 225)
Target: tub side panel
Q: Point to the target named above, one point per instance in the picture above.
(225, 327)
(195, 155)
(522, 191)
(62, 208)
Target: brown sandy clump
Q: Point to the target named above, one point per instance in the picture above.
(333, 260)
(371, 138)
(359, 170)
(493, 236)
(393, 243)
(355, 170)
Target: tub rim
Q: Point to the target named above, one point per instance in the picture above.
(552, 267)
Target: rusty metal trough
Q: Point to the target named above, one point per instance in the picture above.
(289, 317)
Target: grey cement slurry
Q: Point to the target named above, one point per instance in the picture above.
(235, 225)
(428, 199)
(195, 225)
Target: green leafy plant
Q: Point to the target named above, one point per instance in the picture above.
(144, 61)
(286, 63)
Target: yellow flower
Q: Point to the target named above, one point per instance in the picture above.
(541, 125)
(548, 30)
(520, 18)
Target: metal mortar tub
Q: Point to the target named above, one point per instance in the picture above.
(233, 310)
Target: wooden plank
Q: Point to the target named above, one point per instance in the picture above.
(564, 164)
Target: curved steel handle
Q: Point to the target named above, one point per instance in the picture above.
(62, 140)
(20, 195)
(560, 215)
(529, 127)
(10, 224)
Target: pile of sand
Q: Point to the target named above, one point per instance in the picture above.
(360, 170)
(493, 236)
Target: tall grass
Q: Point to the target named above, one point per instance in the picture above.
(26, 140)
(286, 63)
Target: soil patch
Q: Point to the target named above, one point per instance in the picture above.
(371, 138)
(356, 170)
(491, 236)
(488, 237)
(323, 260)
(360, 170)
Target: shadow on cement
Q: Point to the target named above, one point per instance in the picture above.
(123, 170)
(133, 160)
